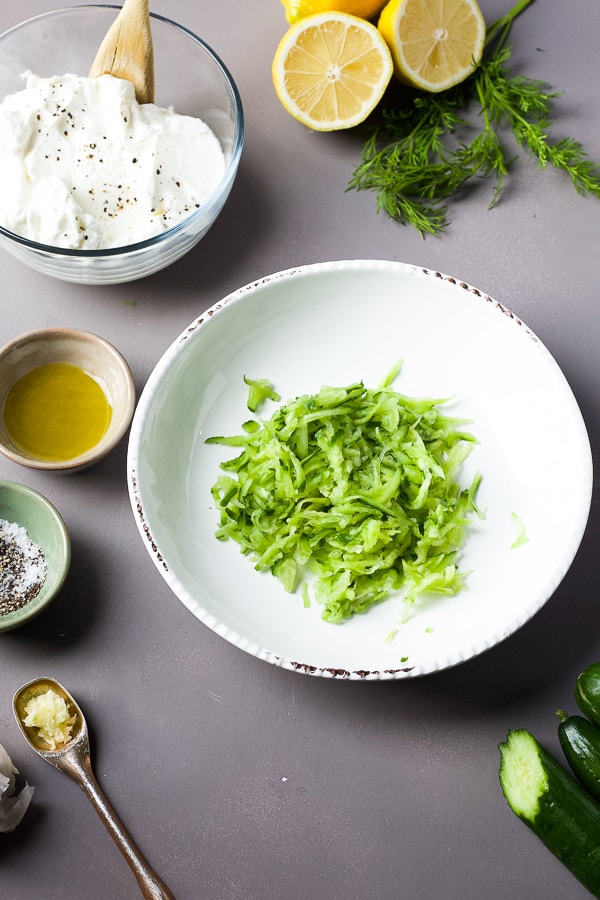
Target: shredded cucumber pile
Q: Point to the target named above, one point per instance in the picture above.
(355, 486)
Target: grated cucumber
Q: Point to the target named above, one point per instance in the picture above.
(357, 487)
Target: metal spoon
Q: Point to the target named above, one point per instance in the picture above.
(73, 758)
(127, 50)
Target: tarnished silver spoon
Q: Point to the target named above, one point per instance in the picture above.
(73, 758)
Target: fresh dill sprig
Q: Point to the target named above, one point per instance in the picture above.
(417, 157)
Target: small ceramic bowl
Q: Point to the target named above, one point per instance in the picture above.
(189, 76)
(45, 527)
(89, 352)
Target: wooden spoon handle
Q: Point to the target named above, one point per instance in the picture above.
(127, 50)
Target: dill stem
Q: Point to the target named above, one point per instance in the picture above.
(483, 104)
(503, 24)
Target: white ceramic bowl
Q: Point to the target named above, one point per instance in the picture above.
(189, 76)
(338, 323)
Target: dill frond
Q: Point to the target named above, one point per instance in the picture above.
(417, 158)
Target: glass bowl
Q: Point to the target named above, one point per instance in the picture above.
(189, 76)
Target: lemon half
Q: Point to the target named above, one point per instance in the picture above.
(435, 44)
(331, 69)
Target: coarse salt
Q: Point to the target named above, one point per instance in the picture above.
(23, 567)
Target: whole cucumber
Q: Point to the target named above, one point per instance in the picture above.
(587, 692)
(580, 741)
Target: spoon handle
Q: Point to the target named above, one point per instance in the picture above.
(152, 887)
(127, 50)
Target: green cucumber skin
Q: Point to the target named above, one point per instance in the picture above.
(587, 692)
(567, 821)
(580, 741)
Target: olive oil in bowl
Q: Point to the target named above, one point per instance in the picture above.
(56, 412)
(66, 399)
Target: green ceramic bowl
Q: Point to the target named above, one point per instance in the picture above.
(45, 527)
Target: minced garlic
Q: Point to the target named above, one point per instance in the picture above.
(49, 713)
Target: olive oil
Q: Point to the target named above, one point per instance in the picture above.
(56, 412)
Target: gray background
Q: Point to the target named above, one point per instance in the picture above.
(241, 781)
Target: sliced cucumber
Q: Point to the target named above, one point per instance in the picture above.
(553, 805)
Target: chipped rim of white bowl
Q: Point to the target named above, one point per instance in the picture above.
(184, 224)
(403, 671)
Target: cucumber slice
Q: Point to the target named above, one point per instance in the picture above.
(553, 805)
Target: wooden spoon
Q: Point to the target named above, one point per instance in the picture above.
(127, 51)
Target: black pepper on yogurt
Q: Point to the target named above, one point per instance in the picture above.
(83, 164)
(23, 567)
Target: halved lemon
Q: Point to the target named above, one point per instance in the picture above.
(331, 69)
(364, 9)
(435, 43)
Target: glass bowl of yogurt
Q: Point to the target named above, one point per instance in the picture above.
(98, 189)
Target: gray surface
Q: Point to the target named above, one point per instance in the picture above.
(241, 781)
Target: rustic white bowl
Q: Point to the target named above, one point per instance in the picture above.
(335, 324)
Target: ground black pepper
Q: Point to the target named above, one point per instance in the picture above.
(23, 567)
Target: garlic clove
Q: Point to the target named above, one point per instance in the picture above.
(12, 806)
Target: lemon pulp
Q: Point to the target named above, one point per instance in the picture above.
(331, 69)
(56, 412)
(435, 44)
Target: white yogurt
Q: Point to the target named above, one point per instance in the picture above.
(84, 166)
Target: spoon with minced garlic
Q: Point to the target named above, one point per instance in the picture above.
(127, 50)
(54, 726)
